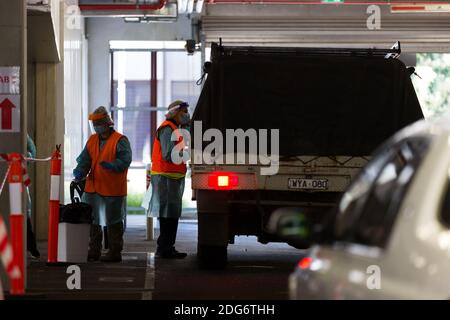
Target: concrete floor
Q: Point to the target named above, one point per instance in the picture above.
(255, 271)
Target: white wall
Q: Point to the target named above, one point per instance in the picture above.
(75, 97)
(102, 30)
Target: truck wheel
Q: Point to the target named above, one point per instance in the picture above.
(212, 257)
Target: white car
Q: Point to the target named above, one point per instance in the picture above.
(391, 234)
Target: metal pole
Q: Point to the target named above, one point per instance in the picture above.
(112, 102)
(153, 95)
(153, 103)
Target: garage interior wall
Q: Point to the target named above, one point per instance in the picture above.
(13, 37)
(75, 98)
(60, 102)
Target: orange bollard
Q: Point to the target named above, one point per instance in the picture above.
(53, 206)
(7, 255)
(16, 221)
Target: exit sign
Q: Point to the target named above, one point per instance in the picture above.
(10, 99)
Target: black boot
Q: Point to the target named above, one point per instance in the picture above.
(166, 240)
(95, 243)
(115, 242)
(171, 254)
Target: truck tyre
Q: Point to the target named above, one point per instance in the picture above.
(212, 256)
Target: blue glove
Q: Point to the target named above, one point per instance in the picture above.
(77, 174)
(106, 165)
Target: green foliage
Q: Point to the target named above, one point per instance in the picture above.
(433, 90)
(134, 200)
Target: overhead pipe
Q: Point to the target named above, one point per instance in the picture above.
(119, 7)
(321, 2)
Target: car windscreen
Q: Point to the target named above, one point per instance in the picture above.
(368, 209)
(322, 105)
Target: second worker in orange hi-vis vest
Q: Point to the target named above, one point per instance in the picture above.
(104, 162)
(167, 178)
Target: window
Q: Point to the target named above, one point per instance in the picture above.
(353, 200)
(368, 209)
(187, 91)
(175, 73)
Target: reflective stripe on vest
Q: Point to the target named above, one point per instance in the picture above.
(100, 180)
(172, 175)
(161, 166)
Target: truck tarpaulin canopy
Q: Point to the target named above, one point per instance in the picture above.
(324, 103)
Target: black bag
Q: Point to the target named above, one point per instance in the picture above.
(76, 212)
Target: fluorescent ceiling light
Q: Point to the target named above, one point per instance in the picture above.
(190, 6)
(199, 6)
(154, 45)
(182, 6)
(132, 19)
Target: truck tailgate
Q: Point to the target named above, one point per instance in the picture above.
(303, 173)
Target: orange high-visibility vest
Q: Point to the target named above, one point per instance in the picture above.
(100, 180)
(159, 165)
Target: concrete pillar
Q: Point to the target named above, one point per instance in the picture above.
(13, 39)
(48, 135)
(49, 129)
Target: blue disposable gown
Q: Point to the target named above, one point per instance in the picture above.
(107, 210)
(31, 150)
(167, 191)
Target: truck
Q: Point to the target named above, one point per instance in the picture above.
(322, 111)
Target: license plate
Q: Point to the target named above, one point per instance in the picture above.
(308, 184)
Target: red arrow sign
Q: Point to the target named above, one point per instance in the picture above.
(6, 106)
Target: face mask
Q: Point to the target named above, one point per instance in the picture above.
(100, 129)
(185, 118)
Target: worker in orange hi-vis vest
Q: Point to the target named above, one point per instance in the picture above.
(167, 178)
(104, 162)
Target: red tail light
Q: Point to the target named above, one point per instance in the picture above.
(305, 263)
(223, 181)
